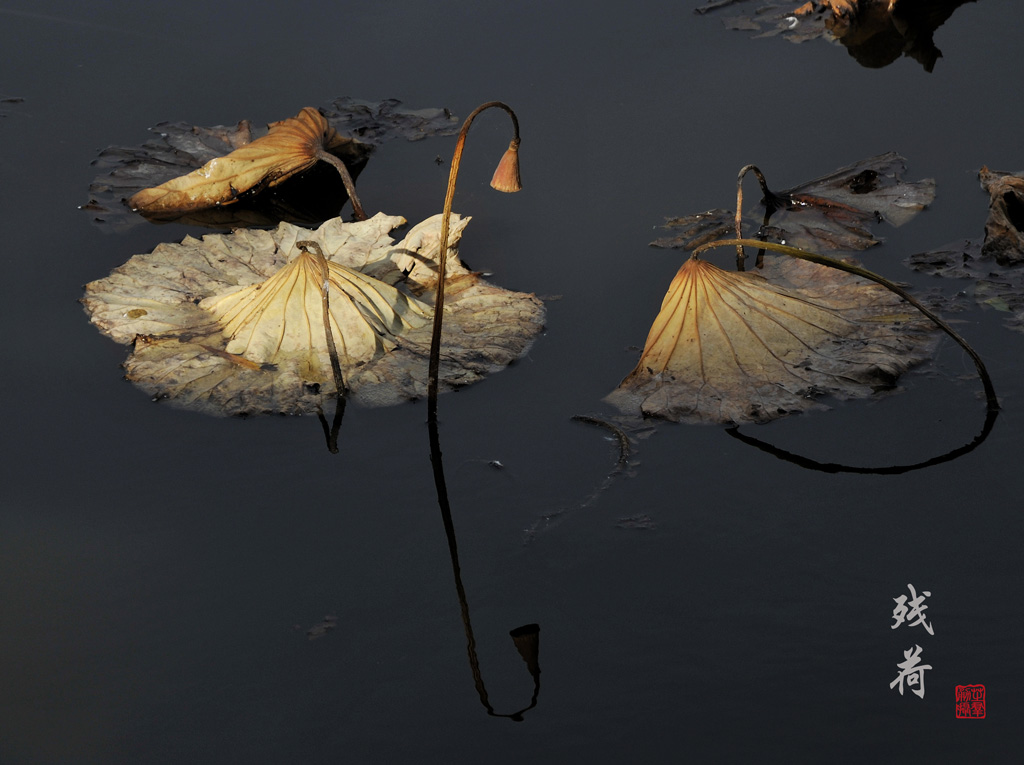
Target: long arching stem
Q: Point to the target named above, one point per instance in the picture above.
(986, 381)
(435, 338)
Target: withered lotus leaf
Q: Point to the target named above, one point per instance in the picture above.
(233, 324)
(875, 32)
(311, 197)
(291, 147)
(1004, 229)
(828, 214)
(274, 319)
(740, 347)
(994, 266)
(375, 122)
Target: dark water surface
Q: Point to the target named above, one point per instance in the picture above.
(159, 570)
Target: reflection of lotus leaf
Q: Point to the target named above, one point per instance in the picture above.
(875, 32)
(233, 323)
(736, 347)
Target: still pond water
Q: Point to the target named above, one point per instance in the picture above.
(161, 572)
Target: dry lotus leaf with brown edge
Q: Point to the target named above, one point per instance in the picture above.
(829, 214)
(232, 324)
(292, 146)
(310, 197)
(741, 347)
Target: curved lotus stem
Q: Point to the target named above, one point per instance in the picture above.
(990, 392)
(525, 637)
(346, 179)
(834, 467)
(772, 202)
(506, 178)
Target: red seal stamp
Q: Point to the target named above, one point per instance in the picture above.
(970, 702)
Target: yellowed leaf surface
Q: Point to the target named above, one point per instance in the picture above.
(740, 347)
(291, 147)
(283, 315)
(308, 198)
(234, 323)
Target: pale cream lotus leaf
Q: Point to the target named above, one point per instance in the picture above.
(283, 315)
(158, 292)
(738, 347)
(233, 323)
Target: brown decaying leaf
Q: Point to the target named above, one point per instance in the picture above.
(875, 32)
(233, 324)
(312, 197)
(995, 265)
(831, 213)
(291, 147)
(375, 122)
(736, 347)
(179, 148)
(1004, 229)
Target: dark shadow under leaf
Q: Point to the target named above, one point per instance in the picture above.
(311, 197)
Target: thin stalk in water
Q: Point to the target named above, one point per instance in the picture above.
(525, 637)
(346, 179)
(506, 178)
(325, 286)
(772, 202)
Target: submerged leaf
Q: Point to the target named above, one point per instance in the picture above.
(831, 213)
(234, 323)
(375, 123)
(751, 347)
(693, 231)
(993, 267)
